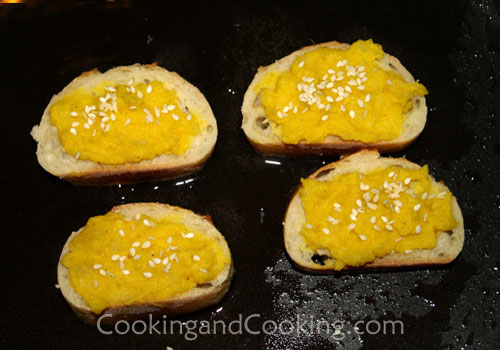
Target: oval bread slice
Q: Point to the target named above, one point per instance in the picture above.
(259, 132)
(448, 247)
(195, 299)
(54, 159)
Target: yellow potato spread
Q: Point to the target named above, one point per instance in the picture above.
(359, 217)
(337, 92)
(117, 261)
(123, 123)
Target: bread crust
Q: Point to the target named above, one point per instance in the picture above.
(190, 301)
(266, 142)
(53, 158)
(449, 243)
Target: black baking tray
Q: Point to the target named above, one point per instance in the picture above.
(450, 46)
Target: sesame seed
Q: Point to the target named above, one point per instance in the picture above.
(441, 195)
(175, 116)
(97, 266)
(148, 274)
(126, 272)
(137, 257)
(361, 87)
(115, 257)
(123, 257)
(151, 264)
(376, 227)
(398, 203)
(384, 219)
(418, 229)
(325, 117)
(127, 122)
(139, 94)
(169, 240)
(373, 219)
(190, 235)
(136, 244)
(407, 180)
(203, 270)
(390, 82)
(351, 227)
(121, 233)
(364, 187)
(196, 258)
(397, 210)
(398, 239)
(424, 195)
(73, 131)
(301, 64)
(132, 251)
(165, 261)
(425, 217)
(388, 227)
(73, 114)
(102, 272)
(408, 251)
(295, 110)
(367, 97)
(362, 237)
(157, 261)
(325, 231)
(372, 206)
(417, 207)
(149, 89)
(353, 217)
(352, 114)
(146, 222)
(333, 221)
(391, 174)
(132, 108)
(146, 245)
(359, 203)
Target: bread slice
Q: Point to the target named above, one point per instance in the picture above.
(195, 299)
(260, 134)
(53, 157)
(449, 243)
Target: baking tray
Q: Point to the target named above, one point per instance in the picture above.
(452, 47)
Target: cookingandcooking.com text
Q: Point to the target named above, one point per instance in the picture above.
(253, 325)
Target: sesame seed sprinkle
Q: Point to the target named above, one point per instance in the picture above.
(115, 257)
(102, 272)
(97, 266)
(351, 227)
(418, 229)
(196, 258)
(146, 245)
(148, 274)
(362, 237)
(325, 231)
(126, 272)
(301, 64)
(309, 226)
(203, 270)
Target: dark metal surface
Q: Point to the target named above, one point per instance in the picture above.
(452, 47)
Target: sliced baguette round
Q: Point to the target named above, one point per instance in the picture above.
(449, 243)
(260, 134)
(54, 159)
(195, 299)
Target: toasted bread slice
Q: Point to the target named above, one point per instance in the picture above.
(53, 157)
(449, 244)
(195, 299)
(260, 134)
